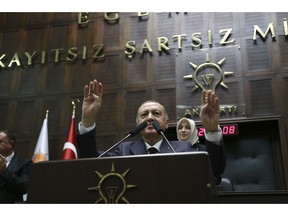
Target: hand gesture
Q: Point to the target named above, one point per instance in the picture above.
(91, 102)
(210, 110)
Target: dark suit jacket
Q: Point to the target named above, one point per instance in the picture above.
(14, 180)
(87, 148)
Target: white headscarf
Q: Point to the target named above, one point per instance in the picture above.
(193, 138)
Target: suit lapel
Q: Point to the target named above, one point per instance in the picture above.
(165, 148)
(138, 147)
(13, 163)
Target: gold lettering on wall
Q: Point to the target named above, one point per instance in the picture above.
(146, 46)
(83, 19)
(1, 63)
(210, 41)
(285, 26)
(162, 44)
(226, 36)
(43, 57)
(179, 39)
(29, 57)
(131, 48)
(84, 52)
(57, 53)
(98, 50)
(111, 17)
(143, 15)
(270, 29)
(224, 109)
(15, 60)
(196, 40)
(72, 55)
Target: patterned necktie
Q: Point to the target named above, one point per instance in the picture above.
(153, 150)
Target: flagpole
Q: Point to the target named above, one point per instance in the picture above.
(74, 106)
(41, 152)
(70, 149)
(47, 112)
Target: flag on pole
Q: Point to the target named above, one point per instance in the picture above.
(70, 150)
(41, 152)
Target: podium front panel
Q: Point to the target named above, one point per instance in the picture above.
(159, 178)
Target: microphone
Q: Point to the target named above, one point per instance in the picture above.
(138, 128)
(131, 133)
(160, 132)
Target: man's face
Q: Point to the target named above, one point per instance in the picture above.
(5, 144)
(149, 112)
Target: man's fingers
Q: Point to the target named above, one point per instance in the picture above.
(86, 91)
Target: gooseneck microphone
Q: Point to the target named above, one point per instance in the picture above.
(131, 133)
(160, 132)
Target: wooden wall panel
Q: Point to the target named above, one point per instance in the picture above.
(110, 76)
(10, 42)
(232, 61)
(54, 117)
(166, 96)
(194, 22)
(24, 115)
(29, 81)
(13, 20)
(6, 82)
(37, 19)
(166, 25)
(112, 35)
(4, 107)
(261, 97)
(250, 19)
(54, 82)
(223, 21)
(110, 112)
(133, 101)
(283, 52)
(138, 29)
(89, 34)
(165, 67)
(257, 59)
(137, 71)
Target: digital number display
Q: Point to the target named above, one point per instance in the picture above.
(227, 130)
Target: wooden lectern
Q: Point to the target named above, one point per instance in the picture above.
(159, 178)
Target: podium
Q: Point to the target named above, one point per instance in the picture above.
(159, 178)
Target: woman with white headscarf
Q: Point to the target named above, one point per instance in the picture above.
(187, 131)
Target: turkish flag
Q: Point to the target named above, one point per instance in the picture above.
(70, 146)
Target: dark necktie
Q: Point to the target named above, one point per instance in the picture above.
(152, 150)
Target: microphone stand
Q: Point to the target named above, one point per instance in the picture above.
(167, 141)
(126, 137)
(160, 131)
(131, 133)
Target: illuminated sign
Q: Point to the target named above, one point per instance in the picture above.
(227, 130)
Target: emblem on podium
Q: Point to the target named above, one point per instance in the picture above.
(112, 187)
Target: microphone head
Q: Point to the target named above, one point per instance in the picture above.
(157, 127)
(138, 128)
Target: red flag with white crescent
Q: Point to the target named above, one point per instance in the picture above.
(70, 150)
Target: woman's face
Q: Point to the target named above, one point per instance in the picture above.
(184, 130)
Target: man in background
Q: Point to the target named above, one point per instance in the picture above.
(14, 170)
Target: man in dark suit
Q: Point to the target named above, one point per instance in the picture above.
(151, 111)
(14, 170)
